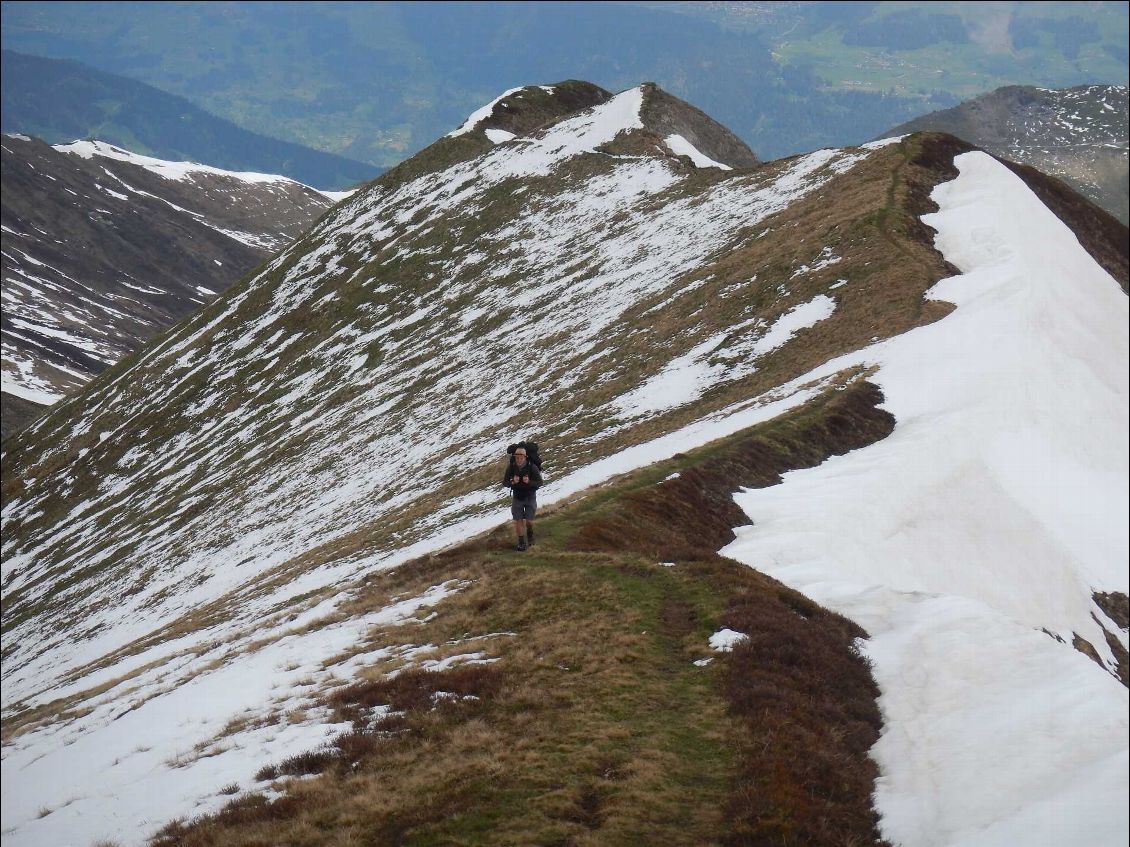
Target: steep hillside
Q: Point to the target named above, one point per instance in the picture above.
(59, 101)
(268, 546)
(1077, 134)
(103, 249)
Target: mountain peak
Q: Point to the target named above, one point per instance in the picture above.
(552, 123)
(675, 127)
(686, 128)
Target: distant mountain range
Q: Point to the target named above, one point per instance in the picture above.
(60, 101)
(103, 249)
(376, 82)
(1078, 134)
(832, 548)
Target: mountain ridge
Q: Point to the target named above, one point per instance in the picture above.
(1077, 134)
(646, 305)
(61, 100)
(104, 248)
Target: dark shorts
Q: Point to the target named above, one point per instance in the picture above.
(523, 510)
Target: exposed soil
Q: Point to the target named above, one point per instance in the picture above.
(1116, 606)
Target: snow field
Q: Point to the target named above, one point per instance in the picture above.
(993, 511)
(175, 738)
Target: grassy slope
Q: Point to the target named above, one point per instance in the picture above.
(595, 726)
(18, 413)
(868, 218)
(775, 734)
(872, 221)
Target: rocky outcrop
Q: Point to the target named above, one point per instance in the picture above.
(667, 115)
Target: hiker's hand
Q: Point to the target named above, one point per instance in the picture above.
(516, 479)
(525, 479)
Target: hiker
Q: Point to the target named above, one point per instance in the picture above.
(522, 478)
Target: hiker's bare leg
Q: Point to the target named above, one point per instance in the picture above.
(519, 529)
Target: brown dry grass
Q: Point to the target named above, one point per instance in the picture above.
(551, 744)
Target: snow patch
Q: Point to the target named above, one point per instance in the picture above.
(498, 136)
(806, 315)
(992, 512)
(725, 640)
(681, 147)
(682, 381)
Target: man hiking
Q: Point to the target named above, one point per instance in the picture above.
(523, 478)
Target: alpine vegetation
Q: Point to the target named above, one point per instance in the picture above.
(265, 563)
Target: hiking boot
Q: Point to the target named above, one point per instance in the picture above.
(530, 535)
(522, 544)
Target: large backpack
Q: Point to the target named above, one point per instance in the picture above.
(532, 455)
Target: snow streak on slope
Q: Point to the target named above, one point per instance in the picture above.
(685, 378)
(161, 167)
(993, 511)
